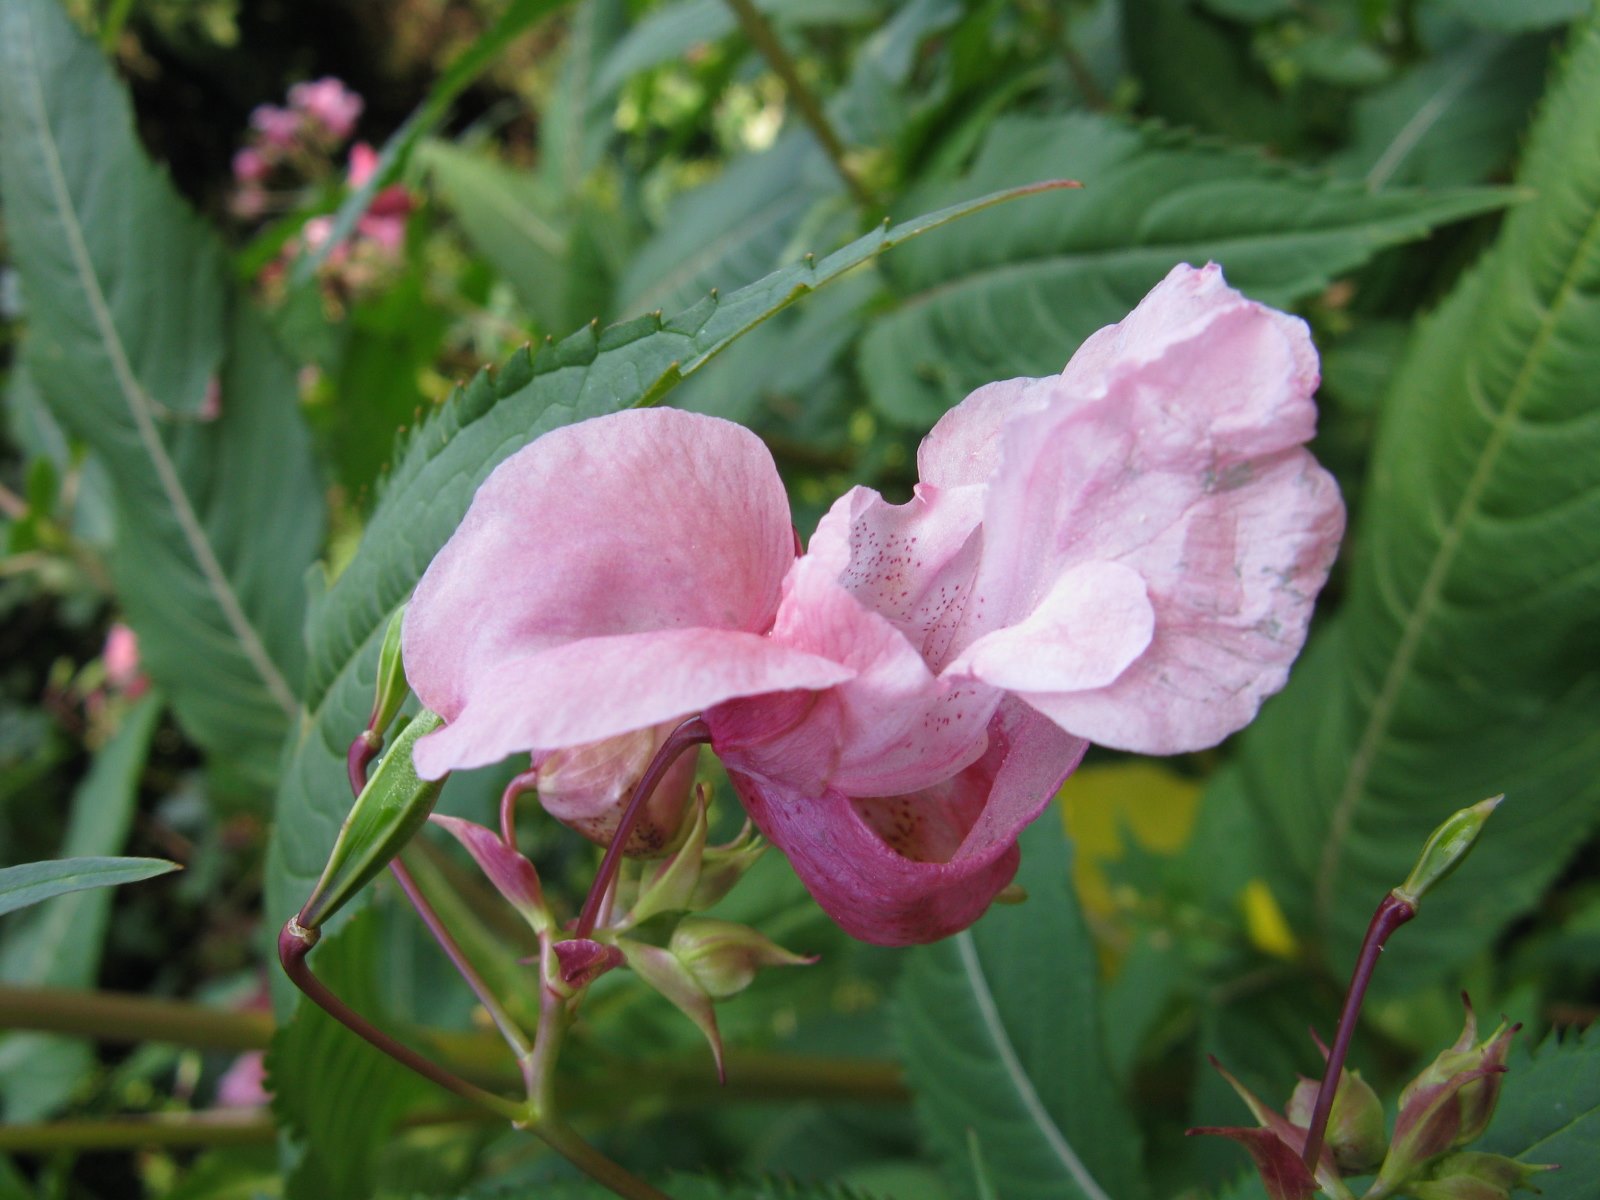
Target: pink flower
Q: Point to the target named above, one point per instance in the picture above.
(278, 128)
(1126, 553)
(331, 106)
(363, 163)
(121, 657)
(250, 166)
(244, 1083)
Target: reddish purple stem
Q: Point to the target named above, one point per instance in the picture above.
(693, 732)
(1392, 913)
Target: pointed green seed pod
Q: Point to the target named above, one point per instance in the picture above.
(390, 809)
(1446, 849)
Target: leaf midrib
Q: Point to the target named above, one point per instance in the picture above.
(1383, 708)
(1054, 1138)
(140, 406)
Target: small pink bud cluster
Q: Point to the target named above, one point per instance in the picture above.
(1446, 1107)
(650, 923)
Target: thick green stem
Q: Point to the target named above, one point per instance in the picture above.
(109, 1017)
(770, 48)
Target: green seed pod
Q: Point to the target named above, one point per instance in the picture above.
(390, 809)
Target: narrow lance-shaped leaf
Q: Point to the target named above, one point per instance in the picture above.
(58, 944)
(1464, 661)
(129, 334)
(32, 883)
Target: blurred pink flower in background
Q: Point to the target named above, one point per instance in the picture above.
(276, 128)
(244, 1083)
(121, 657)
(333, 108)
(1126, 553)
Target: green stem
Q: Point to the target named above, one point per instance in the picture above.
(246, 1127)
(542, 1118)
(109, 1017)
(770, 48)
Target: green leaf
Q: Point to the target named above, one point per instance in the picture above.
(436, 471)
(428, 117)
(31, 883)
(338, 1094)
(1453, 119)
(1463, 663)
(575, 124)
(666, 33)
(1515, 15)
(1015, 296)
(1000, 1033)
(1549, 1112)
(58, 944)
(731, 231)
(128, 327)
(514, 222)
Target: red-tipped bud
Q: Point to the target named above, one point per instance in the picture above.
(697, 876)
(1450, 1103)
(580, 961)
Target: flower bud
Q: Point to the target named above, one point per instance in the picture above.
(1469, 1175)
(588, 787)
(1450, 1103)
(580, 961)
(1447, 849)
(390, 809)
(1356, 1133)
(723, 956)
(696, 877)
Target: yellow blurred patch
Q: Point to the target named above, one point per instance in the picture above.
(1102, 806)
(1264, 921)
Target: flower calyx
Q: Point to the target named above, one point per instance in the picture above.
(704, 961)
(513, 876)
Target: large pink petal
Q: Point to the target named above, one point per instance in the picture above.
(963, 448)
(643, 520)
(891, 727)
(915, 868)
(1170, 450)
(599, 687)
(1233, 586)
